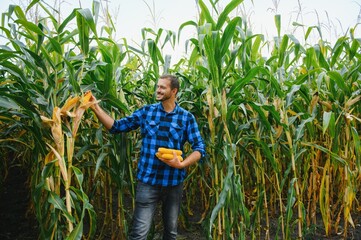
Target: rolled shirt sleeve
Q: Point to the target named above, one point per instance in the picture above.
(126, 124)
(194, 137)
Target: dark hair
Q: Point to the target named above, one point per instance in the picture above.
(174, 82)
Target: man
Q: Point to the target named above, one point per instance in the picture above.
(164, 124)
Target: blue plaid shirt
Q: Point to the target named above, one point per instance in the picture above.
(161, 129)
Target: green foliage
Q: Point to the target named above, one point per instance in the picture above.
(281, 131)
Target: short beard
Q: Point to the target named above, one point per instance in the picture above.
(163, 98)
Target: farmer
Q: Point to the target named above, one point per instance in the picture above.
(163, 124)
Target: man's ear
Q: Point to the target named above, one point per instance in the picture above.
(175, 91)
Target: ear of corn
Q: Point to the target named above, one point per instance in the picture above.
(167, 153)
(69, 104)
(158, 155)
(170, 151)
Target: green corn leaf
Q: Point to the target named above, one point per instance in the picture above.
(323, 195)
(277, 19)
(227, 10)
(40, 38)
(56, 201)
(340, 81)
(328, 123)
(79, 175)
(6, 32)
(99, 162)
(115, 102)
(282, 50)
(228, 35)
(261, 115)
(226, 186)
(268, 154)
(275, 85)
(83, 33)
(296, 42)
(89, 20)
(45, 57)
(109, 79)
(56, 45)
(47, 171)
(321, 58)
(353, 50)
(152, 47)
(301, 128)
(171, 38)
(357, 143)
(327, 151)
(212, 64)
(72, 76)
(274, 113)
(290, 95)
(14, 70)
(29, 26)
(92, 220)
(96, 10)
(67, 20)
(31, 5)
(8, 104)
(77, 232)
(35, 63)
(167, 65)
(309, 30)
(337, 51)
(310, 59)
(256, 47)
(158, 35)
(49, 15)
(106, 54)
(18, 12)
(185, 24)
(241, 82)
(205, 14)
(291, 199)
(79, 196)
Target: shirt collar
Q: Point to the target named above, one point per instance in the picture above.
(175, 110)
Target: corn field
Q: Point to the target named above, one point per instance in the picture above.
(282, 131)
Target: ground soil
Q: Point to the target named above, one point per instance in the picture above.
(15, 220)
(17, 223)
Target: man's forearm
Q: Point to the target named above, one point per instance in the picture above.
(103, 117)
(191, 159)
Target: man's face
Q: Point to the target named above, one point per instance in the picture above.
(164, 91)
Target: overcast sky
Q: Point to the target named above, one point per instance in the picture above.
(335, 16)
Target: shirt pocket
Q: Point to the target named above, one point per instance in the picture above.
(176, 132)
(151, 128)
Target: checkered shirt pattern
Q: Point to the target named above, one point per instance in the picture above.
(161, 129)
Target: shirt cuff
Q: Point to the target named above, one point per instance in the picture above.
(113, 129)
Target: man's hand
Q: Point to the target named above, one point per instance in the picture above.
(175, 162)
(95, 101)
(103, 117)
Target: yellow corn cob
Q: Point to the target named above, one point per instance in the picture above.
(85, 98)
(167, 156)
(170, 151)
(69, 104)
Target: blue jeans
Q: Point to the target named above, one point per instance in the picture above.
(146, 200)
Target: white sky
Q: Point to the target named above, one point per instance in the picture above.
(130, 16)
